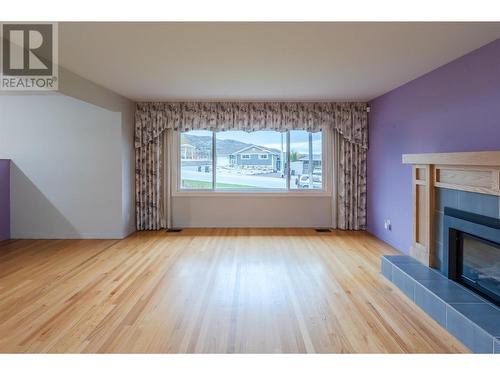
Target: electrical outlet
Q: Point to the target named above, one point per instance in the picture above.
(387, 224)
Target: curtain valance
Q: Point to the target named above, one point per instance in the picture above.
(349, 119)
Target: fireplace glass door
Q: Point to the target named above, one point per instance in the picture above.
(479, 265)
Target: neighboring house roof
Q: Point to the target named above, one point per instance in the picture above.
(262, 148)
(187, 145)
(315, 157)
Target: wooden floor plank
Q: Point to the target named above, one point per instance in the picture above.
(209, 291)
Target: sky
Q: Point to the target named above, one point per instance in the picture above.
(299, 139)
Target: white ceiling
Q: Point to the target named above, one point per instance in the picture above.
(263, 61)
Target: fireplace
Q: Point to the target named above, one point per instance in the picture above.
(472, 243)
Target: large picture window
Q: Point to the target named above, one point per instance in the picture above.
(256, 161)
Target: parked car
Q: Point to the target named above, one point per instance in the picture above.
(302, 181)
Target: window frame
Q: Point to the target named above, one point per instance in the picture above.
(326, 166)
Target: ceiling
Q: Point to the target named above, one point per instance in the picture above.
(262, 61)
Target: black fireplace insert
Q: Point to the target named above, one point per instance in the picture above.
(473, 245)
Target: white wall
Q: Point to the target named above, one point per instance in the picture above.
(72, 157)
(77, 87)
(252, 211)
(66, 175)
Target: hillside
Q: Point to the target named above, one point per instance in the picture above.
(224, 146)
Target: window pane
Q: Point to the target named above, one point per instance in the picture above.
(250, 161)
(306, 157)
(196, 160)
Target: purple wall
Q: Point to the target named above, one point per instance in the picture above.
(4, 199)
(453, 108)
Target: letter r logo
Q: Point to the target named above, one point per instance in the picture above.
(27, 49)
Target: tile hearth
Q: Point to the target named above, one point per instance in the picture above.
(470, 318)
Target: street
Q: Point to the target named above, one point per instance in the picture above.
(254, 181)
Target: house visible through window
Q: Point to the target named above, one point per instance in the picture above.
(256, 161)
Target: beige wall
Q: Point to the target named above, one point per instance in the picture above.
(252, 211)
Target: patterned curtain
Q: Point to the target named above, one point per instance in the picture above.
(351, 189)
(148, 185)
(152, 119)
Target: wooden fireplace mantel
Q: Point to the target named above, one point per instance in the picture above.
(477, 172)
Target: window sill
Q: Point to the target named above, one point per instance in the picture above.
(200, 193)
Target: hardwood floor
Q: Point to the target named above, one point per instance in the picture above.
(209, 291)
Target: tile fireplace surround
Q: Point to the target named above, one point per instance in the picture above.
(468, 181)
